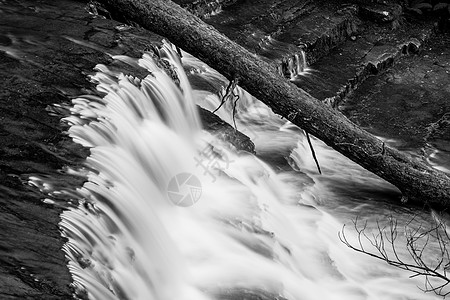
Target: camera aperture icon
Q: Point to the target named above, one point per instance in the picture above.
(184, 189)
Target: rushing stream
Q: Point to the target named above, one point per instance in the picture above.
(168, 211)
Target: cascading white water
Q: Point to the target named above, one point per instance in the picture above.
(292, 59)
(252, 231)
(297, 65)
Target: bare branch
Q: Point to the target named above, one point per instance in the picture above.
(227, 93)
(419, 240)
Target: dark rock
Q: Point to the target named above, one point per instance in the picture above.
(277, 29)
(202, 8)
(439, 133)
(335, 32)
(225, 131)
(408, 102)
(247, 294)
(5, 41)
(381, 13)
(444, 24)
(372, 51)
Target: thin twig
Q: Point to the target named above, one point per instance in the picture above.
(313, 152)
(234, 110)
(230, 88)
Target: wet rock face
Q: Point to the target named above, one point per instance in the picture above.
(372, 50)
(37, 68)
(331, 33)
(381, 13)
(43, 61)
(438, 142)
(439, 133)
(225, 131)
(408, 99)
(204, 9)
(279, 29)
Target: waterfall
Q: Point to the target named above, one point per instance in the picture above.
(291, 59)
(295, 65)
(251, 231)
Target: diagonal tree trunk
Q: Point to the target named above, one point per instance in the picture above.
(417, 181)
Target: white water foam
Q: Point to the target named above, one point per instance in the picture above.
(253, 230)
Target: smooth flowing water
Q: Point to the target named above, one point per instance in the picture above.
(168, 211)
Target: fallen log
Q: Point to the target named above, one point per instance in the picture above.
(417, 181)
